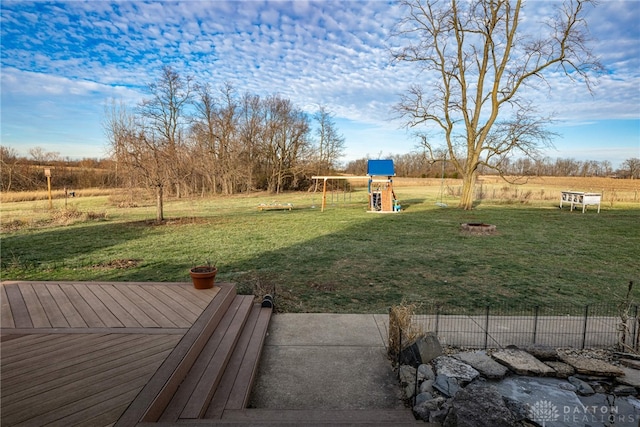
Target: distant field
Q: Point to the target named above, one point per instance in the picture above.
(346, 259)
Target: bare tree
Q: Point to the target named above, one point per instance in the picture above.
(284, 143)
(8, 163)
(164, 114)
(330, 144)
(478, 57)
(137, 152)
(40, 156)
(632, 166)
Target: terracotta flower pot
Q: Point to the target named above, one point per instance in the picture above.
(203, 277)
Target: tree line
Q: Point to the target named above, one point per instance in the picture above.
(26, 173)
(191, 138)
(422, 165)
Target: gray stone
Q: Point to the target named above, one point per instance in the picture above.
(542, 352)
(424, 349)
(593, 410)
(624, 390)
(562, 369)
(421, 413)
(452, 367)
(426, 409)
(425, 372)
(409, 391)
(518, 409)
(522, 363)
(568, 387)
(630, 377)
(479, 405)
(423, 397)
(446, 385)
(427, 386)
(407, 374)
(589, 366)
(480, 361)
(537, 391)
(582, 388)
(438, 417)
(630, 363)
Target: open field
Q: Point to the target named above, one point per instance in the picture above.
(346, 259)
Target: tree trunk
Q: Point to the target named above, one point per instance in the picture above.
(468, 185)
(159, 207)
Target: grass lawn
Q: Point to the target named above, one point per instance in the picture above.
(344, 259)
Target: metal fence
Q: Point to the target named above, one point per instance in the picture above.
(589, 326)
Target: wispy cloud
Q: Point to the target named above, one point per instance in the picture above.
(334, 53)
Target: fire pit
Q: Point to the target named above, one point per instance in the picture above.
(478, 228)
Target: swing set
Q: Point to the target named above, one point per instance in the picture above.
(382, 198)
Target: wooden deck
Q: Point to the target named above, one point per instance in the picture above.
(79, 353)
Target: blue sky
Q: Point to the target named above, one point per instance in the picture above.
(62, 62)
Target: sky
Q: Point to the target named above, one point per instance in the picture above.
(63, 62)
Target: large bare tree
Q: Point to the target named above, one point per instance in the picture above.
(477, 56)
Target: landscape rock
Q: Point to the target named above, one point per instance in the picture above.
(452, 367)
(426, 386)
(630, 363)
(568, 387)
(423, 350)
(438, 417)
(624, 390)
(542, 352)
(582, 387)
(407, 374)
(630, 377)
(446, 385)
(421, 413)
(562, 369)
(425, 372)
(590, 366)
(518, 409)
(534, 392)
(522, 363)
(479, 405)
(423, 397)
(483, 363)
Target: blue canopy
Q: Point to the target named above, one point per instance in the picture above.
(380, 168)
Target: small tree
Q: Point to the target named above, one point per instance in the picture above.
(478, 56)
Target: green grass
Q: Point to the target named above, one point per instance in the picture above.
(344, 259)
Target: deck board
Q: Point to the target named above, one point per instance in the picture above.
(6, 317)
(70, 313)
(80, 352)
(89, 316)
(98, 307)
(163, 307)
(53, 312)
(130, 307)
(34, 307)
(21, 317)
(183, 303)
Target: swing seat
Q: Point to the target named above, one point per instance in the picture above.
(276, 206)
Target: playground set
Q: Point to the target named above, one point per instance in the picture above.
(382, 198)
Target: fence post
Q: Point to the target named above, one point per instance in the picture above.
(486, 328)
(635, 328)
(536, 309)
(437, 318)
(584, 329)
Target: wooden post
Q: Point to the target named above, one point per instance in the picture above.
(47, 173)
(324, 194)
